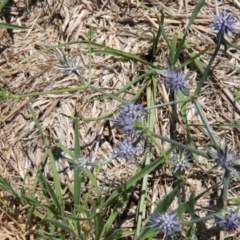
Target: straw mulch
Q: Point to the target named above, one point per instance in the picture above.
(122, 25)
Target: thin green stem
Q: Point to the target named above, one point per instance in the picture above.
(83, 81)
(199, 220)
(175, 143)
(168, 103)
(206, 124)
(51, 92)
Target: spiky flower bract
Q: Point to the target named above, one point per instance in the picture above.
(223, 24)
(225, 159)
(181, 160)
(165, 222)
(125, 150)
(230, 221)
(82, 163)
(67, 64)
(175, 80)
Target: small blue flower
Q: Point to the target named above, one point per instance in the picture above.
(223, 24)
(175, 80)
(125, 150)
(132, 110)
(126, 124)
(165, 222)
(181, 160)
(230, 221)
(128, 116)
(225, 159)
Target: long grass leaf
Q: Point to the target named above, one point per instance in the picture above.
(136, 178)
(124, 191)
(2, 4)
(11, 26)
(62, 226)
(193, 17)
(51, 157)
(50, 191)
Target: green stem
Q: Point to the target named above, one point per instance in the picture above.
(35, 94)
(168, 103)
(199, 220)
(175, 143)
(225, 189)
(83, 81)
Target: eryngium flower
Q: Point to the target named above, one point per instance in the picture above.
(225, 159)
(181, 160)
(223, 24)
(67, 64)
(230, 221)
(82, 163)
(128, 116)
(132, 110)
(126, 124)
(125, 150)
(175, 80)
(165, 222)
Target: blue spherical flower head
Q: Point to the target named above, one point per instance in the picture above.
(165, 222)
(125, 150)
(223, 24)
(132, 110)
(230, 221)
(126, 124)
(225, 159)
(175, 80)
(128, 116)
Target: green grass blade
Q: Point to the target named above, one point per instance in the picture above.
(151, 97)
(77, 154)
(173, 50)
(119, 53)
(2, 4)
(51, 157)
(50, 191)
(193, 57)
(124, 192)
(77, 177)
(160, 23)
(117, 209)
(193, 17)
(206, 71)
(135, 178)
(11, 26)
(62, 226)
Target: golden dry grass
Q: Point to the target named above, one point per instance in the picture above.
(117, 24)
